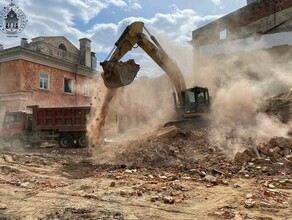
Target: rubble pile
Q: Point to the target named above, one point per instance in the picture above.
(169, 146)
(279, 105)
(272, 158)
(180, 153)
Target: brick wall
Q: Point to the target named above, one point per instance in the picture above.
(22, 77)
(10, 76)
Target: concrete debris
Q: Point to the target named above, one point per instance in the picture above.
(280, 106)
(249, 196)
(249, 203)
(275, 157)
(168, 199)
(244, 157)
(154, 198)
(8, 158)
(211, 179)
(167, 132)
(3, 206)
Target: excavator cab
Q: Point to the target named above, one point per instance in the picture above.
(196, 101)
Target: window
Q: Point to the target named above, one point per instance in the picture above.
(44, 81)
(223, 34)
(191, 96)
(85, 89)
(201, 97)
(12, 117)
(62, 47)
(67, 85)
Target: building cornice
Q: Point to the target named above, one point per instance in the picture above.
(21, 53)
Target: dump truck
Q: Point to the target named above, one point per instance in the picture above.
(190, 103)
(37, 125)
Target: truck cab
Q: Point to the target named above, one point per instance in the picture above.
(15, 125)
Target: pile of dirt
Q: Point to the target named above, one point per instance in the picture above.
(169, 146)
(192, 152)
(179, 150)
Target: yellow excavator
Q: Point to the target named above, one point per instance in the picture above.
(190, 103)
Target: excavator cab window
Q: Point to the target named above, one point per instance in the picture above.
(191, 97)
(196, 100)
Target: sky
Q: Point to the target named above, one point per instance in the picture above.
(102, 21)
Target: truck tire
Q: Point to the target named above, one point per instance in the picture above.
(66, 141)
(82, 141)
(17, 142)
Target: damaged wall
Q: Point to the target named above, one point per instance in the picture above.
(241, 36)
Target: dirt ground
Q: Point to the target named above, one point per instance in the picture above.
(54, 183)
(168, 174)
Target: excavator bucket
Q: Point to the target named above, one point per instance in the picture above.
(117, 74)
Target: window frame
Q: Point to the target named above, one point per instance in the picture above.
(62, 47)
(223, 34)
(42, 81)
(69, 86)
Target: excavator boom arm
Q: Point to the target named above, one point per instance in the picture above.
(116, 75)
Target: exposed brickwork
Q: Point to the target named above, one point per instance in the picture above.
(55, 96)
(9, 76)
(26, 82)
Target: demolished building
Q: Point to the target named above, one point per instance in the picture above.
(241, 36)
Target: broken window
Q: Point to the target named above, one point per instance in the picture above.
(44, 81)
(223, 34)
(67, 85)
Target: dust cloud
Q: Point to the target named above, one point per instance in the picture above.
(2, 115)
(144, 105)
(239, 87)
(96, 131)
(130, 111)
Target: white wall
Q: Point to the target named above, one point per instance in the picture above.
(247, 44)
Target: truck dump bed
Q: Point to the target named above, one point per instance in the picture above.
(59, 118)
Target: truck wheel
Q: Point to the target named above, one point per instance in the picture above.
(82, 141)
(66, 141)
(17, 142)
